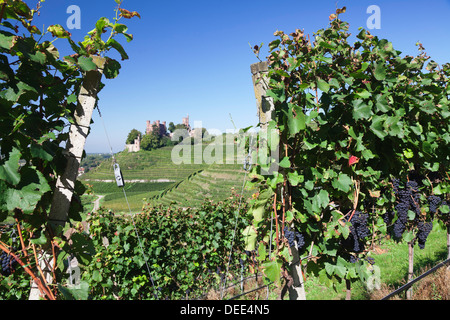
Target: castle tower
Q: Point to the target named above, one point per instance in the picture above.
(186, 123)
(148, 128)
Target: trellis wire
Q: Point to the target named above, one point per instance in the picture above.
(409, 284)
(245, 293)
(129, 208)
(247, 167)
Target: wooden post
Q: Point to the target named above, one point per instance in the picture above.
(264, 103)
(266, 112)
(297, 290)
(410, 268)
(79, 131)
(448, 242)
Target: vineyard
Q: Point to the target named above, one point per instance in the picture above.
(352, 203)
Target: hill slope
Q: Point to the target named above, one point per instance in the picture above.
(153, 177)
(217, 182)
(144, 166)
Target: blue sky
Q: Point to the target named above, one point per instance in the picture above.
(193, 57)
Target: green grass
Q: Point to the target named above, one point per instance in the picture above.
(117, 202)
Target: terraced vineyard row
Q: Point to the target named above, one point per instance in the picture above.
(216, 182)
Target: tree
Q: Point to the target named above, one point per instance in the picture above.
(180, 126)
(171, 127)
(133, 135)
(150, 142)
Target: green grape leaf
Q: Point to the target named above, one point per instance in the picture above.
(86, 64)
(380, 72)
(342, 183)
(9, 172)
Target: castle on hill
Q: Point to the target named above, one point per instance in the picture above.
(163, 132)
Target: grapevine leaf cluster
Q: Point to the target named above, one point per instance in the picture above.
(38, 98)
(348, 118)
(187, 250)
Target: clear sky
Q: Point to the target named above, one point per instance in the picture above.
(193, 57)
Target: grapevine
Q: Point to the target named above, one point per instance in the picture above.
(353, 125)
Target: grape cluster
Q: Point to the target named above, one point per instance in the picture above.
(402, 218)
(8, 264)
(388, 217)
(434, 202)
(353, 259)
(408, 198)
(292, 236)
(370, 260)
(359, 222)
(424, 229)
(358, 231)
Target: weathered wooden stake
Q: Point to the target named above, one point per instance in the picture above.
(264, 103)
(410, 268)
(266, 112)
(297, 290)
(79, 131)
(75, 145)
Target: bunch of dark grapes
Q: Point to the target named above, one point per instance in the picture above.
(8, 264)
(352, 243)
(358, 231)
(434, 202)
(359, 222)
(424, 229)
(402, 218)
(370, 260)
(414, 200)
(292, 236)
(396, 185)
(388, 217)
(404, 199)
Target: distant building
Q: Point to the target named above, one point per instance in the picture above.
(159, 126)
(186, 123)
(136, 146)
(81, 171)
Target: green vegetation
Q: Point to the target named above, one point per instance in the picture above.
(378, 117)
(157, 180)
(40, 96)
(184, 248)
(91, 161)
(363, 132)
(133, 135)
(145, 166)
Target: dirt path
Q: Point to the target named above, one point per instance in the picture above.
(97, 203)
